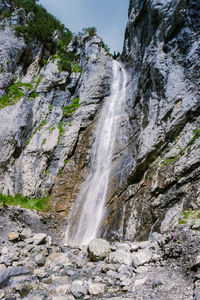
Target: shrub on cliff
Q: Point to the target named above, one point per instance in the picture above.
(41, 25)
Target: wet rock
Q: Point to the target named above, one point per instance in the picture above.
(96, 288)
(98, 249)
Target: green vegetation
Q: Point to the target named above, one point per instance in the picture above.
(196, 135)
(43, 122)
(5, 14)
(91, 30)
(61, 131)
(41, 26)
(189, 216)
(44, 141)
(169, 161)
(68, 110)
(182, 221)
(51, 106)
(39, 79)
(151, 175)
(67, 61)
(59, 171)
(76, 68)
(13, 95)
(32, 95)
(66, 161)
(51, 128)
(40, 204)
(103, 45)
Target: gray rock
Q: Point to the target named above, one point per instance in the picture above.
(26, 233)
(157, 282)
(98, 249)
(6, 274)
(196, 225)
(39, 238)
(120, 257)
(96, 288)
(141, 257)
(78, 289)
(66, 297)
(197, 294)
(40, 260)
(13, 236)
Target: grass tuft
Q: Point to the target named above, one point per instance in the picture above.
(39, 204)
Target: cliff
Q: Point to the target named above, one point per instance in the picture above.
(57, 93)
(161, 52)
(50, 93)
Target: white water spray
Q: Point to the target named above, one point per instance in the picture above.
(92, 197)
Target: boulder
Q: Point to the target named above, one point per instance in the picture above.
(120, 257)
(98, 249)
(39, 238)
(13, 237)
(40, 260)
(78, 289)
(96, 288)
(141, 257)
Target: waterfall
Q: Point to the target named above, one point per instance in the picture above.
(91, 200)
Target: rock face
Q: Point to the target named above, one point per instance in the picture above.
(37, 137)
(156, 164)
(161, 52)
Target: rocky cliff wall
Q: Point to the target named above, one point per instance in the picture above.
(45, 149)
(44, 121)
(162, 54)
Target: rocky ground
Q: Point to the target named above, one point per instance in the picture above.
(33, 265)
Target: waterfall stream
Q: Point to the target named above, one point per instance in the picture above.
(90, 204)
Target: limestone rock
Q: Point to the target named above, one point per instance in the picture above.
(40, 260)
(141, 257)
(39, 238)
(13, 236)
(96, 288)
(98, 249)
(78, 289)
(120, 257)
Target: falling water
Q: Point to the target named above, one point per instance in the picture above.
(92, 197)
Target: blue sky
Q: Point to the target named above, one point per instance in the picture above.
(108, 16)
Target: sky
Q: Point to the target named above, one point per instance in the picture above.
(108, 16)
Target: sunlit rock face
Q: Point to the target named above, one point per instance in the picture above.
(37, 137)
(155, 167)
(162, 53)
